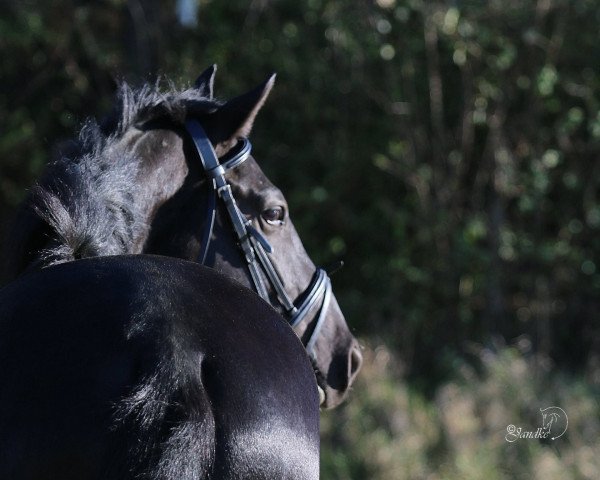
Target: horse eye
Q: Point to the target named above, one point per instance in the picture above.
(274, 215)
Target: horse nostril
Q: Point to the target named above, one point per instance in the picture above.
(356, 360)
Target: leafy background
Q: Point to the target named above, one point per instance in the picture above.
(448, 151)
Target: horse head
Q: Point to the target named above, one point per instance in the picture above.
(138, 183)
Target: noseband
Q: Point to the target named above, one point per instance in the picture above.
(254, 246)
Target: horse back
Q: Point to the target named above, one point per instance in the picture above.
(150, 367)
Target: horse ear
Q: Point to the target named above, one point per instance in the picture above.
(205, 82)
(234, 119)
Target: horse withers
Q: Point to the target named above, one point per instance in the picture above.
(170, 173)
(131, 367)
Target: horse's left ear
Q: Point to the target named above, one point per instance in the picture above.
(235, 118)
(206, 81)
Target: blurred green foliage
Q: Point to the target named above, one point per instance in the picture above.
(390, 431)
(447, 150)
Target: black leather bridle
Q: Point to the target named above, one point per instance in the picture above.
(254, 246)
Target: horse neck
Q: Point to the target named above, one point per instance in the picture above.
(102, 203)
(159, 174)
(177, 225)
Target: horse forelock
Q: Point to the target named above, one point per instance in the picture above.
(89, 196)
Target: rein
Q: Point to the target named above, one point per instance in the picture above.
(254, 246)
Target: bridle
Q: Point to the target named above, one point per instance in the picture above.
(254, 246)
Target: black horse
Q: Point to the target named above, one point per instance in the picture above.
(170, 174)
(148, 367)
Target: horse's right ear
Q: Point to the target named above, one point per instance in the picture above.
(205, 82)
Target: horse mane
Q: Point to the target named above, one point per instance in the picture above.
(88, 196)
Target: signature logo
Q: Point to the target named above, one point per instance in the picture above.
(554, 425)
